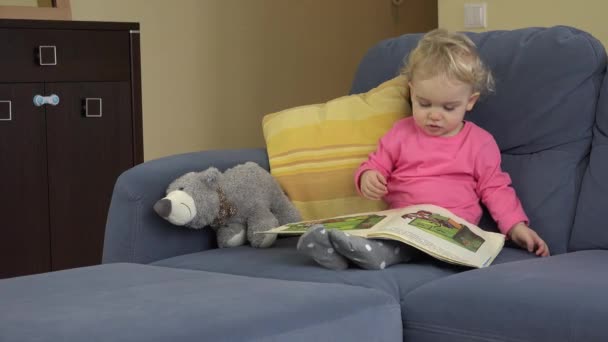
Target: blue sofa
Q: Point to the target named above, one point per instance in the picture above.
(549, 116)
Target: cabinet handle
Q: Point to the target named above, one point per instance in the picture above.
(6, 111)
(92, 107)
(40, 100)
(47, 55)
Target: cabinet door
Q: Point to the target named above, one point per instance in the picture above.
(85, 156)
(24, 225)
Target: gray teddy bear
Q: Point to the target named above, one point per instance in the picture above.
(238, 203)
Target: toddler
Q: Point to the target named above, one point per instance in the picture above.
(433, 157)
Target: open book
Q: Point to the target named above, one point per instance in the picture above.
(431, 229)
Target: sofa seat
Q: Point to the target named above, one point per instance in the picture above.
(283, 261)
(561, 298)
(130, 302)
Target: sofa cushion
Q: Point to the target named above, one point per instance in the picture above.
(314, 150)
(283, 261)
(561, 298)
(541, 115)
(129, 302)
(590, 227)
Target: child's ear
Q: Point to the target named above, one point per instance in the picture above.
(472, 100)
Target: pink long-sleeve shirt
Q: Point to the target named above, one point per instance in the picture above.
(452, 172)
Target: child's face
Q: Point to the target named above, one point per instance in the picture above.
(439, 104)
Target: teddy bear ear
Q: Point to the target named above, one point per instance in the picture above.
(211, 175)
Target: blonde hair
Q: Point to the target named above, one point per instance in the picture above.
(454, 55)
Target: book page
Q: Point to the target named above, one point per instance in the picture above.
(442, 234)
(356, 224)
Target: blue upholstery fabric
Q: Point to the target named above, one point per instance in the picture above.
(541, 115)
(283, 261)
(561, 298)
(128, 302)
(591, 227)
(135, 233)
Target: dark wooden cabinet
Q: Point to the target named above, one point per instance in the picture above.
(59, 162)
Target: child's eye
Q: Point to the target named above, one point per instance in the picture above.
(448, 108)
(424, 104)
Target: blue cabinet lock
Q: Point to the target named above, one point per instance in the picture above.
(40, 100)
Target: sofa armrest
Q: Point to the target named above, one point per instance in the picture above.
(135, 233)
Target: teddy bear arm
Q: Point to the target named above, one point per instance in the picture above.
(262, 220)
(231, 235)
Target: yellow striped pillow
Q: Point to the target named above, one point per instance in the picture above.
(314, 150)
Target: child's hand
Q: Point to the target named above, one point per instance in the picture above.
(526, 238)
(373, 184)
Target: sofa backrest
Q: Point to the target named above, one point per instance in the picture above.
(542, 113)
(590, 229)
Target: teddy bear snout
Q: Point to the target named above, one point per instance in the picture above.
(163, 207)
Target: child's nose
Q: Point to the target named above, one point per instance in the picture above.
(434, 115)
